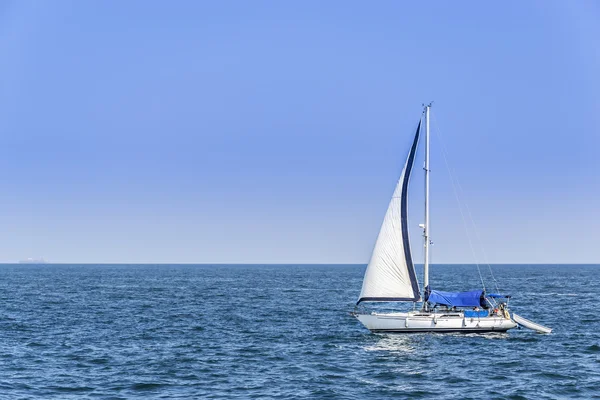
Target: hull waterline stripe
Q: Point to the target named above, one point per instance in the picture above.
(449, 330)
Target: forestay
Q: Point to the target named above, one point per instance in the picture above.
(390, 275)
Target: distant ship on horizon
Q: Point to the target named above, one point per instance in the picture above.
(33, 261)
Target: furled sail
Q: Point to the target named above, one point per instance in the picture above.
(390, 275)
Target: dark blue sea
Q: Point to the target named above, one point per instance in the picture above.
(281, 331)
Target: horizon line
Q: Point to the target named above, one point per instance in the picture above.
(282, 264)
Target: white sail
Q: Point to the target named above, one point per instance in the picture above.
(390, 275)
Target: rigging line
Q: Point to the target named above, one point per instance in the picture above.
(464, 220)
(485, 257)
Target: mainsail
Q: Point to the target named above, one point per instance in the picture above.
(390, 275)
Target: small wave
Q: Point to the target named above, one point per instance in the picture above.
(72, 388)
(99, 361)
(593, 349)
(529, 339)
(551, 375)
(547, 294)
(35, 344)
(146, 386)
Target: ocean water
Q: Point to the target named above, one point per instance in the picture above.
(275, 331)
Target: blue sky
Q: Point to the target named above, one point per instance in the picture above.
(266, 131)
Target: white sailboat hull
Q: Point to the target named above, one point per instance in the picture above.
(432, 322)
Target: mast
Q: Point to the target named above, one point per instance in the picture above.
(426, 225)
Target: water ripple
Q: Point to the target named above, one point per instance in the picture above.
(279, 332)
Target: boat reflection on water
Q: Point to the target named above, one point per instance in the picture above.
(395, 343)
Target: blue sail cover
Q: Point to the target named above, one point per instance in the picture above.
(456, 299)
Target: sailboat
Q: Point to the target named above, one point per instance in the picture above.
(390, 275)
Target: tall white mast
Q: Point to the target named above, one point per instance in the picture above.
(426, 227)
